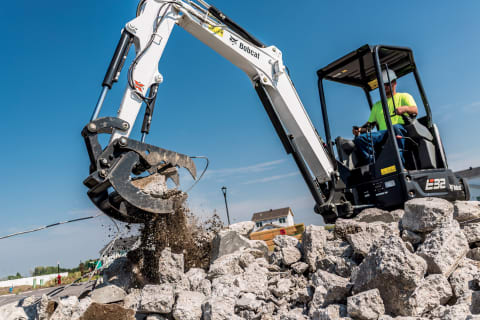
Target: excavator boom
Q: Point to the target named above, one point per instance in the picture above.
(112, 187)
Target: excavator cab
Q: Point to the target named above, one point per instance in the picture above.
(390, 179)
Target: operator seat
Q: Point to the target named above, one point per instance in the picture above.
(425, 144)
(346, 152)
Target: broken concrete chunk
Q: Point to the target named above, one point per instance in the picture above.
(474, 254)
(393, 270)
(225, 265)
(472, 232)
(188, 306)
(65, 309)
(302, 295)
(290, 255)
(45, 308)
(155, 317)
(197, 280)
(119, 273)
(217, 308)
(170, 266)
(299, 267)
(260, 246)
(412, 237)
(455, 312)
(132, 300)
(466, 210)
(195, 276)
(283, 241)
(463, 282)
(157, 298)
(107, 312)
(294, 314)
(108, 294)
(367, 305)
(225, 287)
(314, 239)
(254, 280)
(361, 242)
(332, 312)
(248, 301)
(435, 290)
(379, 215)
(243, 228)
(426, 214)
(282, 288)
(329, 288)
(444, 248)
(14, 311)
(338, 248)
(286, 250)
(344, 227)
(227, 242)
(340, 266)
(387, 317)
(245, 259)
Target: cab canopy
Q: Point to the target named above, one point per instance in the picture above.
(358, 67)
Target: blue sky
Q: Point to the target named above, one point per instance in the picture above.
(55, 55)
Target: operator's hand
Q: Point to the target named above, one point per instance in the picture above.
(401, 110)
(355, 131)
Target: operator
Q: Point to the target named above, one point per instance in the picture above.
(405, 105)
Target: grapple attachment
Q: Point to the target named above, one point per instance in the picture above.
(127, 179)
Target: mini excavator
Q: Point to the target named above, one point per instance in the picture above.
(122, 173)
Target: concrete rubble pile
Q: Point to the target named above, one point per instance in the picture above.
(419, 263)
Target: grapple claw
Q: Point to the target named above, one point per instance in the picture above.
(111, 185)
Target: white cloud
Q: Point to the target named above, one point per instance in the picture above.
(256, 168)
(472, 107)
(272, 178)
(464, 160)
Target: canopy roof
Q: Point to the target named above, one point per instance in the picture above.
(357, 68)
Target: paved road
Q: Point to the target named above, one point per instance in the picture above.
(54, 293)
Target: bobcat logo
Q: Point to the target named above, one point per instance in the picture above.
(233, 40)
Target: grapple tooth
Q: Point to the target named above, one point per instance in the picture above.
(156, 156)
(172, 173)
(173, 158)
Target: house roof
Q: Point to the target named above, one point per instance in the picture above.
(271, 214)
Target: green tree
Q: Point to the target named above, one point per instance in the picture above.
(17, 276)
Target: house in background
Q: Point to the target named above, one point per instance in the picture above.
(273, 218)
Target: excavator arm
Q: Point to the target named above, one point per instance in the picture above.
(112, 187)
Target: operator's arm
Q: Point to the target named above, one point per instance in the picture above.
(407, 105)
(357, 130)
(411, 110)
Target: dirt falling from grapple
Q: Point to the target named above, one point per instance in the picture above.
(183, 233)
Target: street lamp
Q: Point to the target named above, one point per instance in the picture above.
(224, 190)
